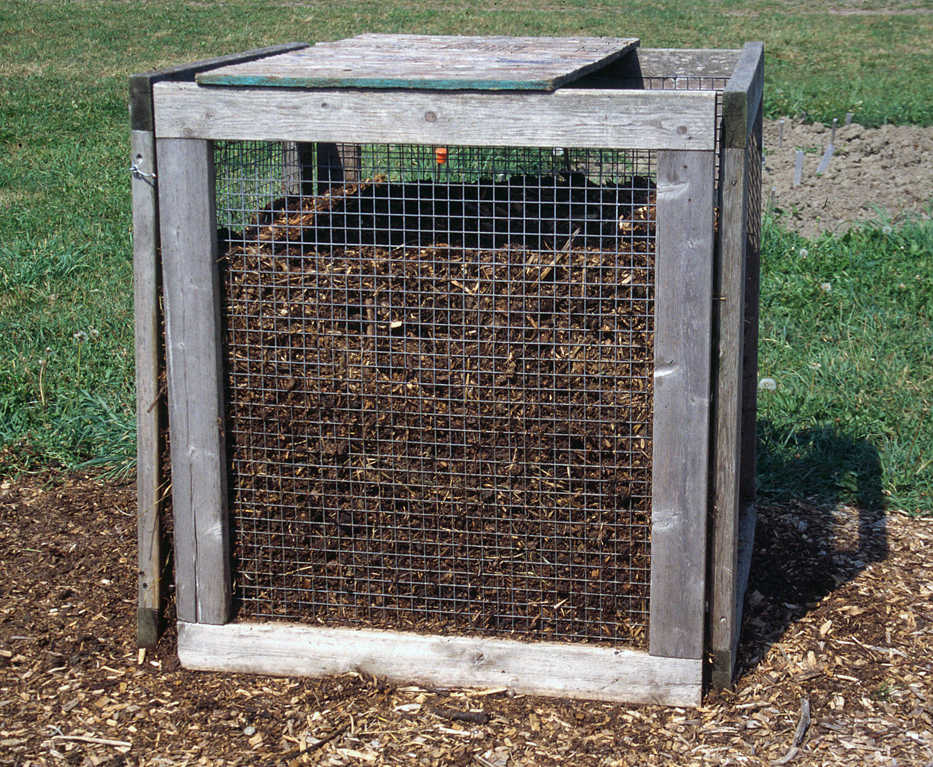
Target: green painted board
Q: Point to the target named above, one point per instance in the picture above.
(429, 62)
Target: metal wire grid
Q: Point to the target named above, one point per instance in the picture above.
(439, 388)
(753, 162)
(675, 82)
(680, 82)
(248, 181)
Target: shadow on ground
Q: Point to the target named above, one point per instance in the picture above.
(821, 521)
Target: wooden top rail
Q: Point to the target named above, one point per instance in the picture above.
(141, 84)
(568, 117)
(687, 62)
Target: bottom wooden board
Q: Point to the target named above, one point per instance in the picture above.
(533, 668)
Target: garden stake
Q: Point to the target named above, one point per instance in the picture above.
(824, 161)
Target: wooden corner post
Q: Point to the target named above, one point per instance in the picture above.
(683, 319)
(733, 434)
(146, 287)
(191, 286)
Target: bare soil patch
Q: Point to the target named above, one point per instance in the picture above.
(874, 173)
(839, 614)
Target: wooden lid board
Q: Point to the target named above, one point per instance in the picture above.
(431, 62)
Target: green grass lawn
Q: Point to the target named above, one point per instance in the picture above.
(852, 371)
(846, 334)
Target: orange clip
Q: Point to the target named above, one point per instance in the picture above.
(440, 154)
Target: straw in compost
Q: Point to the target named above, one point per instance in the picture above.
(439, 406)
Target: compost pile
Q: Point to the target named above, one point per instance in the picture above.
(439, 407)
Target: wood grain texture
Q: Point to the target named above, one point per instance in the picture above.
(534, 668)
(140, 96)
(727, 414)
(444, 62)
(567, 117)
(662, 70)
(148, 406)
(192, 321)
(683, 319)
(733, 516)
(695, 62)
(742, 96)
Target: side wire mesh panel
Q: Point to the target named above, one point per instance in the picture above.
(438, 368)
(753, 211)
(753, 160)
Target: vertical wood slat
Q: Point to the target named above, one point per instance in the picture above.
(683, 320)
(748, 520)
(148, 409)
(733, 514)
(727, 424)
(193, 356)
(743, 95)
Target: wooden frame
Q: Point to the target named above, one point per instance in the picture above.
(433, 62)
(682, 335)
(146, 298)
(193, 354)
(701, 407)
(148, 361)
(732, 511)
(534, 668)
(567, 117)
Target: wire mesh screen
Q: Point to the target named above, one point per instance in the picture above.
(675, 82)
(753, 161)
(438, 369)
(683, 82)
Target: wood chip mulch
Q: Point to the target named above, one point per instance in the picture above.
(837, 665)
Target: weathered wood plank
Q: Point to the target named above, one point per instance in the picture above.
(683, 319)
(534, 668)
(148, 407)
(567, 117)
(664, 69)
(429, 61)
(734, 436)
(727, 414)
(692, 62)
(141, 84)
(192, 321)
(741, 99)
